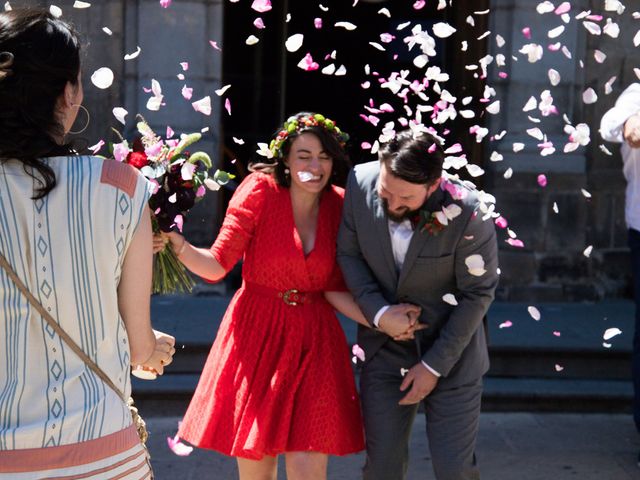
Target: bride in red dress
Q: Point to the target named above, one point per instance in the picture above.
(278, 378)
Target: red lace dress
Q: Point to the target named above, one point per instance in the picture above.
(278, 377)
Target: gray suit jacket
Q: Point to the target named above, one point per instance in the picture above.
(455, 343)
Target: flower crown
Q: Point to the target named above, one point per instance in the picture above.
(298, 123)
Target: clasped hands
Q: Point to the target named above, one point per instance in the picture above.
(400, 321)
(632, 131)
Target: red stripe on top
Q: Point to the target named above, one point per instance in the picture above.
(65, 456)
(119, 175)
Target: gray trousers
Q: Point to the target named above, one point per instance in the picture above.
(452, 417)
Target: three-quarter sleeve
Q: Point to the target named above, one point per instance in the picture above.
(241, 219)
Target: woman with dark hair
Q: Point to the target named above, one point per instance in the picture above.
(75, 240)
(278, 378)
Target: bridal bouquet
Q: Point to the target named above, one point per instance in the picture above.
(178, 180)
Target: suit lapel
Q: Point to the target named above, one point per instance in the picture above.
(382, 230)
(419, 239)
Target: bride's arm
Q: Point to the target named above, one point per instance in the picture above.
(344, 303)
(198, 260)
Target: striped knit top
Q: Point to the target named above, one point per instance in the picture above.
(68, 248)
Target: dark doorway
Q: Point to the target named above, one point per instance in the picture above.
(268, 85)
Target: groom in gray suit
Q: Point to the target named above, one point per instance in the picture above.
(422, 264)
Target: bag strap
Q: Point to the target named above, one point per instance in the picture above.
(57, 328)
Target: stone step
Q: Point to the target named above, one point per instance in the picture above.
(170, 394)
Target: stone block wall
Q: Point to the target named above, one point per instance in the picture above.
(552, 265)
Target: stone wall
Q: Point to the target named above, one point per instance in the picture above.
(166, 37)
(552, 265)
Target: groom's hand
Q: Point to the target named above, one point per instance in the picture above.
(400, 320)
(423, 384)
(632, 131)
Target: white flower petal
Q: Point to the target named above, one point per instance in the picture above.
(587, 251)
(475, 265)
(55, 11)
(120, 114)
(589, 96)
(556, 32)
(131, 56)
(534, 312)
(443, 30)
(203, 105)
(251, 40)
(346, 25)
(294, 42)
(450, 299)
(609, 333)
(102, 78)
(79, 4)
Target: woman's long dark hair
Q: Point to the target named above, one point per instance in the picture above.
(330, 145)
(46, 55)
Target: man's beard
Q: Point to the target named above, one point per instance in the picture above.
(395, 217)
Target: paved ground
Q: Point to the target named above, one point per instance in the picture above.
(511, 446)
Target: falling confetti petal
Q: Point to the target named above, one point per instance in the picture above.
(559, 368)
(542, 180)
(443, 30)
(177, 447)
(308, 64)
(475, 265)
(102, 78)
(227, 106)
(555, 207)
(203, 105)
(221, 91)
(131, 56)
(261, 6)
(55, 11)
(610, 333)
(403, 371)
(589, 96)
(534, 312)
(506, 324)
(258, 23)
(187, 92)
(358, 352)
(585, 193)
(346, 25)
(294, 42)
(79, 4)
(450, 299)
(120, 114)
(252, 40)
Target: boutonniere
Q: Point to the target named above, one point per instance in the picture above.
(434, 222)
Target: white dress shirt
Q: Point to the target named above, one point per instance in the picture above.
(400, 233)
(612, 129)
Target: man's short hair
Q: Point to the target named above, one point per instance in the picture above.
(415, 158)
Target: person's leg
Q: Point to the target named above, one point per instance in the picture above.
(306, 465)
(264, 469)
(387, 425)
(634, 245)
(452, 428)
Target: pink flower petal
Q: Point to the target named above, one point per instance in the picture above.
(365, 146)
(506, 324)
(418, 5)
(358, 352)
(308, 64)
(261, 6)
(227, 106)
(557, 334)
(514, 242)
(179, 222)
(526, 31)
(177, 447)
(96, 148)
(187, 92)
(165, 3)
(542, 180)
(317, 22)
(501, 222)
(565, 7)
(170, 132)
(214, 44)
(185, 66)
(258, 23)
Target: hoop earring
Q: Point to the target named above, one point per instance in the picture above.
(88, 120)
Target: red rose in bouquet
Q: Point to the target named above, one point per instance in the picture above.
(178, 180)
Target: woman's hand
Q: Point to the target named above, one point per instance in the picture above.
(160, 241)
(162, 354)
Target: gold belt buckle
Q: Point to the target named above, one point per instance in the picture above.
(286, 297)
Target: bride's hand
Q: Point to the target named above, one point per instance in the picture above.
(160, 241)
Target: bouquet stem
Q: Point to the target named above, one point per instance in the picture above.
(169, 274)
